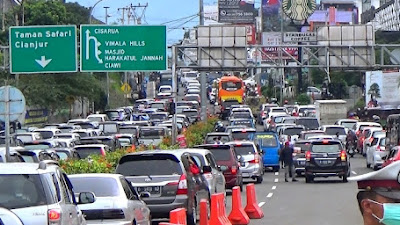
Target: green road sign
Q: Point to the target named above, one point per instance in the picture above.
(123, 48)
(43, 49)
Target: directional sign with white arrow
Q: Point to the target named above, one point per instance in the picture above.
(43, 61)
(43, 49)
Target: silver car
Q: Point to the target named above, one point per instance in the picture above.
(376, 151)
(117, 202)
(250, 159)
(38, 194)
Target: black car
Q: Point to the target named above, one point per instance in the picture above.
(226, 107)
(327, 158)
(310, 123)
(299, 160)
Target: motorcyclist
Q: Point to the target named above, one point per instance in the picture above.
(219, 127)
(376, 118)
(350, 138)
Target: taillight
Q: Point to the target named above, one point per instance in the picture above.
(233, 169)
(308, 155)
(262, 113)
(358, 133)
(379, 148)
(343, 155)
(268, 120)
(103, 152)
(54, 215)
(255, 160)
(182, 185)
(371, 139)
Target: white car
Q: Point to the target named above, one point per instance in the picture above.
(348, 123)
(375, 152)
(47, 133)
(98, 118)
(186, 76)
(335, 130)
(267, 121)
(165, 89)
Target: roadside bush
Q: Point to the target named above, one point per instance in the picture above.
(303, 99)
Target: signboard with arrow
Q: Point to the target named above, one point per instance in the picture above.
(43, 49)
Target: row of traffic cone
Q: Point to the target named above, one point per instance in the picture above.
(238, 215)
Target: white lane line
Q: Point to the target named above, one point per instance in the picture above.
(274, 187)
(353, 172)
(270, 195)
(261, 204)
(276, 173)
(276, 180)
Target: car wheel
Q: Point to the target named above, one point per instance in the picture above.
(241, 186)
(375, 168)
(344, 178)
(276, 169)
(309, 179)
(298, 174)
(259, 179)
(368, 164)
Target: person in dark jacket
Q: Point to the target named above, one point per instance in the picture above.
(287, 158)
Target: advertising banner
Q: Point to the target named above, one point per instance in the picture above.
(236, 11)
(382, 89)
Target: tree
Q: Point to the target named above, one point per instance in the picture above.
(374, 90)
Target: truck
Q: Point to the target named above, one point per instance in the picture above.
(329, 111)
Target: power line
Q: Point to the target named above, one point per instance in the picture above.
(180, 19)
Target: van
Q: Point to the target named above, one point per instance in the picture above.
(269, 145)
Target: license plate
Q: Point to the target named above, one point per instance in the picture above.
(325, 162)
(302, 163)
(152, 190)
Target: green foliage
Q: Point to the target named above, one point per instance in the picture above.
(360, 103)
(195, 134)
(303, 99)
(374, 90)
(41, 12)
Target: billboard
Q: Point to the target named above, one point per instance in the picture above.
(271, 41)
(382, 89)
(236, 11)
(270, 15)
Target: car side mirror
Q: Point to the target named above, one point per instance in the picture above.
(144, 195)
(207, 169)
(86, 198)
(261, 152)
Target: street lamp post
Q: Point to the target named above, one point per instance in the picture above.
(91, 11)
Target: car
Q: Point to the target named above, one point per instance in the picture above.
(98, 118)
(25, 189)
(85, 151)
(276, 119)
(111, 141)
(158, 117)
(327, 158)
(187, 76)
(167, 180)
(303, 108)
(126, 140)
(66, 153)
(160, 106)
(179, 109)
(227, 160)
(376, 152)
(269, 122)
(165, 89)
(358, 127)
(335, 131)
(314, 93)
(85, 133)
(15, 156)
(363, 136)
(218, 137)
(370, 134)
(193, 90)
(27, 137)
(151, 135)
(229, 129)
(392, 156)
(309, 123)
(225, 107)
(192, 114)
(292, 131)
(250, 159)
(116, 114)
(264, 108)
(347, 123)
(111, 190)
(37, 155)
(246, 122)
(269, 145)
(304, 135)
(211, 171)
(47, 133)
(299, 158)
(109, 128)
(240, 134)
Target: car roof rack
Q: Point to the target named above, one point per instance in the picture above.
(43, 164)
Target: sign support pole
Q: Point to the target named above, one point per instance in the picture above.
(7, 121)
(175, 94)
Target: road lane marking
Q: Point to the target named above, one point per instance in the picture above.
(276, 173)
(270, 195)
(276, 180)
(353, 172)
(274, 187)
(261, 204)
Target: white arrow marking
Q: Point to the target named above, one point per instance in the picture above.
(43, 61)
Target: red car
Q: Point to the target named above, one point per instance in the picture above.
(393, 156)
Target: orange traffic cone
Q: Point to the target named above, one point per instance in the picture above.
(238, 216)
(218, 216)
(178, 216)
(203, 212)
(252, 209)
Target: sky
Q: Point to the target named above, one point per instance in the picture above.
(157, 12)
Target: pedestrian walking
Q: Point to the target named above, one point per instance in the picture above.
(379, 195)
(287, 158)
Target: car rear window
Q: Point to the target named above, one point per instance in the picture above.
(382, 142)
(221, 154)
(211, 139)
(246, 123)
(244, 115)
(128, 130)
(303, 146)
(145, 165)
(278, 110)
(334, 130)
(21, 191)
(309, 135)
(155, 116)
(45, 134)
(248, 135)
(308, 123)
(227, 104)
(157, 105)
(325, 148)
(151, 133)
(25, 138)
(348, 124)
(293, 131)
(244, 150)
(109, 128)
(100, 186)
(190, 113)
(84, 152)
(268, 140)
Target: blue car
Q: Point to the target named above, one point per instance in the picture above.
(269, 145)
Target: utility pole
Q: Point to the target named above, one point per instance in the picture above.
(123, 15)
(203, 78)
(107, 76)
(138, 16)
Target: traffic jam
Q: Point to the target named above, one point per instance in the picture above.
(250, 141)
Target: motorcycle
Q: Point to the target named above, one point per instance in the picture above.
(351, 149)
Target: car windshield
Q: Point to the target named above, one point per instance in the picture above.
(45, 134)
(302, 110)
(191, 75)
(139, 165)
(21, 191)
(278, 110)
(325, 148)
(36, 147)
(25, 138)
(213, 139)
(221, 154)
(191, 98)
(308, 123)
(289, 120)
(267, 140)
(292, 131)
(124, 140)
(29, 158)
(244, 150)
(128, 130)
(165, 89)
(334, 130)
(246, 135)
(100, 186)
(382, 142)
(151, 133)
(348, 124)
(65, 129)
(84, 152)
